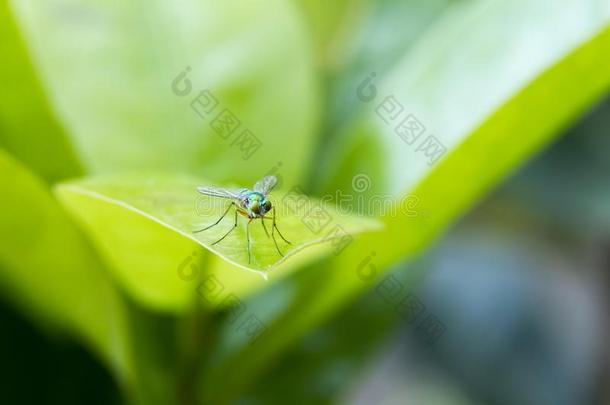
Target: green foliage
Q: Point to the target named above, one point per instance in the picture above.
(113, 85)
(49, 269)
(128, 218)
(123, 269)
(51, 155)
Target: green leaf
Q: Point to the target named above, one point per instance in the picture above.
(29, 128)
(490, 120)
(453, 78)
(113, 71)
(145, 226)
(48, 269)
(390, 30)
(332, 25)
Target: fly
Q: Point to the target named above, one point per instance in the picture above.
(252, 204)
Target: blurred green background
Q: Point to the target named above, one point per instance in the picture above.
(487, 285)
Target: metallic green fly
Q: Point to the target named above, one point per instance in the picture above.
(252, 204)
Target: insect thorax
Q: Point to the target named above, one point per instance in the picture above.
(253, 202)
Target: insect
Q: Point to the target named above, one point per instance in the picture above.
(252, 204)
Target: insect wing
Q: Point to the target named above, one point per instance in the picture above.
(265, 185)
(218, 192)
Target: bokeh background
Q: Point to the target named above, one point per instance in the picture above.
(519, 280)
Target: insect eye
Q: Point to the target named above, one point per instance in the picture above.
(267, 206)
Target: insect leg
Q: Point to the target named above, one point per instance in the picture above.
(230, 230)
(273, 236)
(276, 246)
(248, 239)
(278, 230)
(220, 219)
(264, 226)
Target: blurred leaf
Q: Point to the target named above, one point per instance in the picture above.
(452, 78)
(113, 71)
(28, 125)
(390, 30)
(332, 24)
(328, 359)
(567, 185)
(494, 106)
(145, 227)
(50, 271)
(64, 372)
